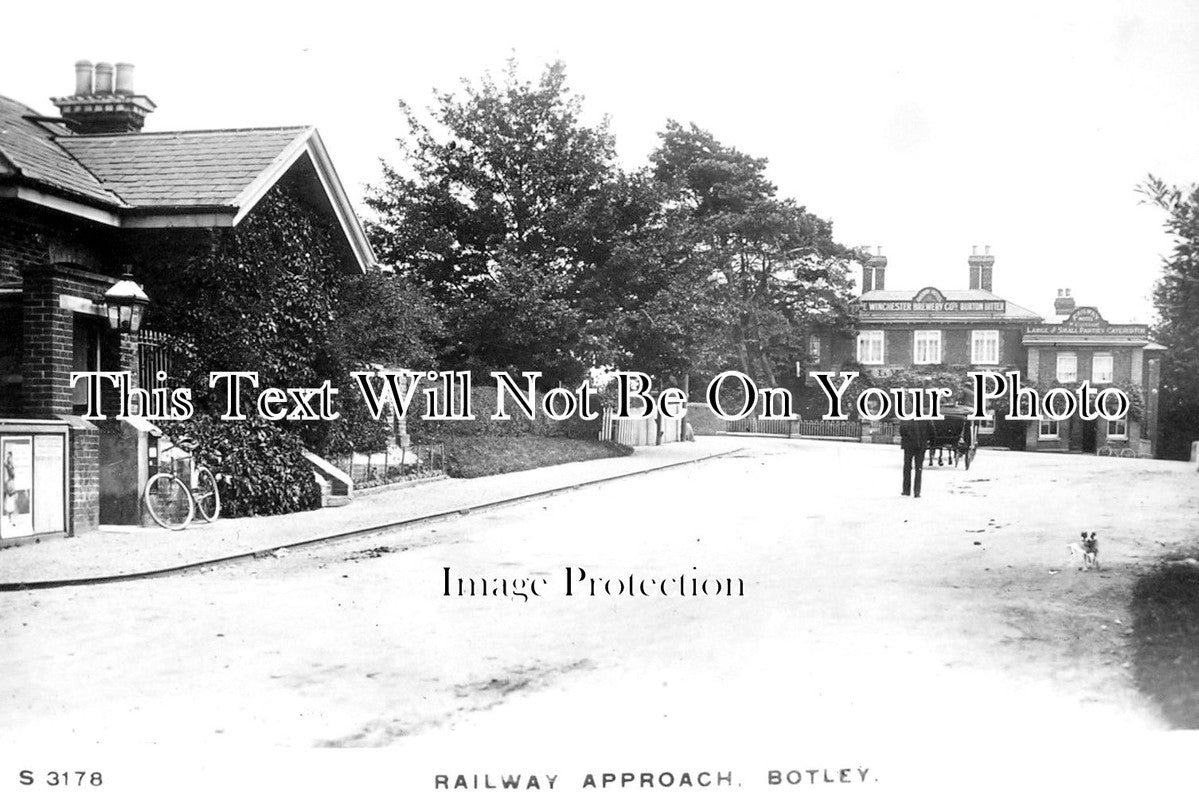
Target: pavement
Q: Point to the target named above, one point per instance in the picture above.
(126, 552)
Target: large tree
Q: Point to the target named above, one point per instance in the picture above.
(774, 267)
(1176, 296)
(505, 202)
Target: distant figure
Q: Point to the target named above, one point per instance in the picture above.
(914, 437)
(10, 491)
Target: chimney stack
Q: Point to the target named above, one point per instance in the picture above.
(85, 74)
(1063, 306)
(124, 83)
(981, 268)
(874, 270)
(104, 101)
(103, 78)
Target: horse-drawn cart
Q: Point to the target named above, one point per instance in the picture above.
(955, 437)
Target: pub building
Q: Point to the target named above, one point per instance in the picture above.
(1085, 346)
(974, 329)
(79, 192)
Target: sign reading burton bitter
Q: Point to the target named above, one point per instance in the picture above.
(930, 299)
(951, 306)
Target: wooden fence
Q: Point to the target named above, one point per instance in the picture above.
(639, 432)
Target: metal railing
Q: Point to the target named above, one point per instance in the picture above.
(827, 429)
(153, 357)
(393, 466)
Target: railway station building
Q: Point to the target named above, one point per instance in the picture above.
(85, 196)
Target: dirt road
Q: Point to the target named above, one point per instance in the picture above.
(864, 613)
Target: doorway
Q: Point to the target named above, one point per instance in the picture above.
(1088, 436)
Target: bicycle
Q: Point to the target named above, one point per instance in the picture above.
(170, 501)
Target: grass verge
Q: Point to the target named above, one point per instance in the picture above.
(1165, 609)
(476, 456)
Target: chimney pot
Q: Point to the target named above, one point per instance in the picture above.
(1063, 306)
(104, 78)
(874, 271)
(124, 82)
(974, 250)
(980, 269)
(84, 77)
(987, 250)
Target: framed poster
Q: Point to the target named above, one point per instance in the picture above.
(16, 486)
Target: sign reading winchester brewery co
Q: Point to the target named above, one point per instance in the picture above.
(1087, 321)
(945, 305)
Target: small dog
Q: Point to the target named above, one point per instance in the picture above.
(1088, 549)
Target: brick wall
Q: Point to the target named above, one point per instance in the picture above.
(956, 342)
(48, 334)
(11, 339)
(46, 357)
(22, 242)
(30, 236)
(84, 508)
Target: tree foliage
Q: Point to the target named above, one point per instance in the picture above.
(505, 202)
(775, 270)
(1176, 296)
(541, 254)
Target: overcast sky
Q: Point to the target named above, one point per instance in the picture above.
(922, 128)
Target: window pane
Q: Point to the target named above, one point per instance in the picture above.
(870, 347)
(1067, 368)
(984, 347)
(927, 347)
(1101, 368)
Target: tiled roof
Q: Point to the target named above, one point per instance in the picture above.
(182, 168)
(31, 149)
(179, 178)
(950, 294)
(173, 170)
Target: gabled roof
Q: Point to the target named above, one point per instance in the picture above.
(182, 169)
(205, 178)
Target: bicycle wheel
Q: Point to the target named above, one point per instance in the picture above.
(168, 501)
(206, 495)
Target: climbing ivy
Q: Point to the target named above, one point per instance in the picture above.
(270, 296)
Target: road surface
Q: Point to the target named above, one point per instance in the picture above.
(863, 614)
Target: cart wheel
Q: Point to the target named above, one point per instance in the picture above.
(168, 501)
(206, 495)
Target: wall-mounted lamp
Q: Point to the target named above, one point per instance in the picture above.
(126, 304)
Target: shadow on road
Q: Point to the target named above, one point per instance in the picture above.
(1165, 609)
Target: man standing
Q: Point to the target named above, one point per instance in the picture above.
(914, 436)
